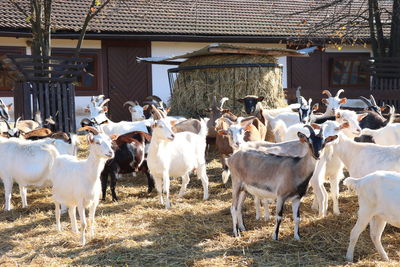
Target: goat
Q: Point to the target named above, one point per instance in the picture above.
(215, 112)
(387, 135)
(378, 200)
(176, 155)
(76, 183)
(37, 160)
(333, 103)
(330, 165)
(136, 110)
(98, 114)
(4, 110)
(189, 125)
(129, 157)
(270, 176)
(374, 121)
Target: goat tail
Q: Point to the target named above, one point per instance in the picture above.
(279, 131)
(204, 129)
(53, 155)
(351, 182)
(226, 172)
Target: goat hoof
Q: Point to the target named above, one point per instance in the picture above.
(115, 200)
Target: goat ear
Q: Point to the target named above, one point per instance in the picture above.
(325, 101)
(241, 100)
(167, 110)
(226, 111)
(382, 108)
(87, 109)
(154, 125)
(105, 108)
(145, 107)
(9, 106)
(362, 116)
(114, 137)
(338, 116)
(315, 107)
(330, 138)
(343, 126)
(343, 101)
(248, 128)
(90, 138)
(130, 109)
(222, 132)
(260, 98)
(205, 110)
(315, 126)
(302, 137)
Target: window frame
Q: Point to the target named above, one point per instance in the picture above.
(335, 57)
(19, 50)
(97, 88)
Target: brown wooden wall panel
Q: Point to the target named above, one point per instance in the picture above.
(127, 80)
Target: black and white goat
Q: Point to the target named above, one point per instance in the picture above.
(129, 157)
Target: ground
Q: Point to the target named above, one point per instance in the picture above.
(138, 231)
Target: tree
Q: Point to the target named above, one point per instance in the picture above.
(38, 13)
(357, 22)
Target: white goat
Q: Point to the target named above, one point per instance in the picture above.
(76, 183)
(136, 110)
(176, 155)
(26, 163)
(98, 114)
(386, 136)
(330, 165)
(378, 200)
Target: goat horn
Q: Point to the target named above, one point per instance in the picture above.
(104, 102)
(326, 92)
(214, 101)
(16, 122)
(365, 100)
(248, 118)
(223, 100)
(88, 128)
(156, 113)
(312, 133)
(131, 103)
(154, 97)
(8, 125)
(99, 97)
(372, 100)
(228, 121)
(339, 92)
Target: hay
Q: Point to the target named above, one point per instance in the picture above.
(194, 89)
(138, 231)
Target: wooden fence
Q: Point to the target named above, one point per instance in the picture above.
(385, 84)
(46, 84)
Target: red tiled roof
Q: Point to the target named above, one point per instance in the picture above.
(272, 18)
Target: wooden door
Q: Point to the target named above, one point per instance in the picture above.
(308, 73)
(127, 79)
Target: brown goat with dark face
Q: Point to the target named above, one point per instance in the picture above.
(271, 176)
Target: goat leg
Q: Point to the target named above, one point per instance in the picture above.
(112, 185)
(104, 180)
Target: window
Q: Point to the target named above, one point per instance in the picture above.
(349, 72)
(89, 81)
(6, 80)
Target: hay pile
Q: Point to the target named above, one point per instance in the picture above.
(138, 231)
(194, 89)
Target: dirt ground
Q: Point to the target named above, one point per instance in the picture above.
(138, 231)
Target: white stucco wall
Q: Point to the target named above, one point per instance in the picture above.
(160, 74)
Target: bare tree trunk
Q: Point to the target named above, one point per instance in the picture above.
(374, 42)
(379, 30)
(394, 46)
